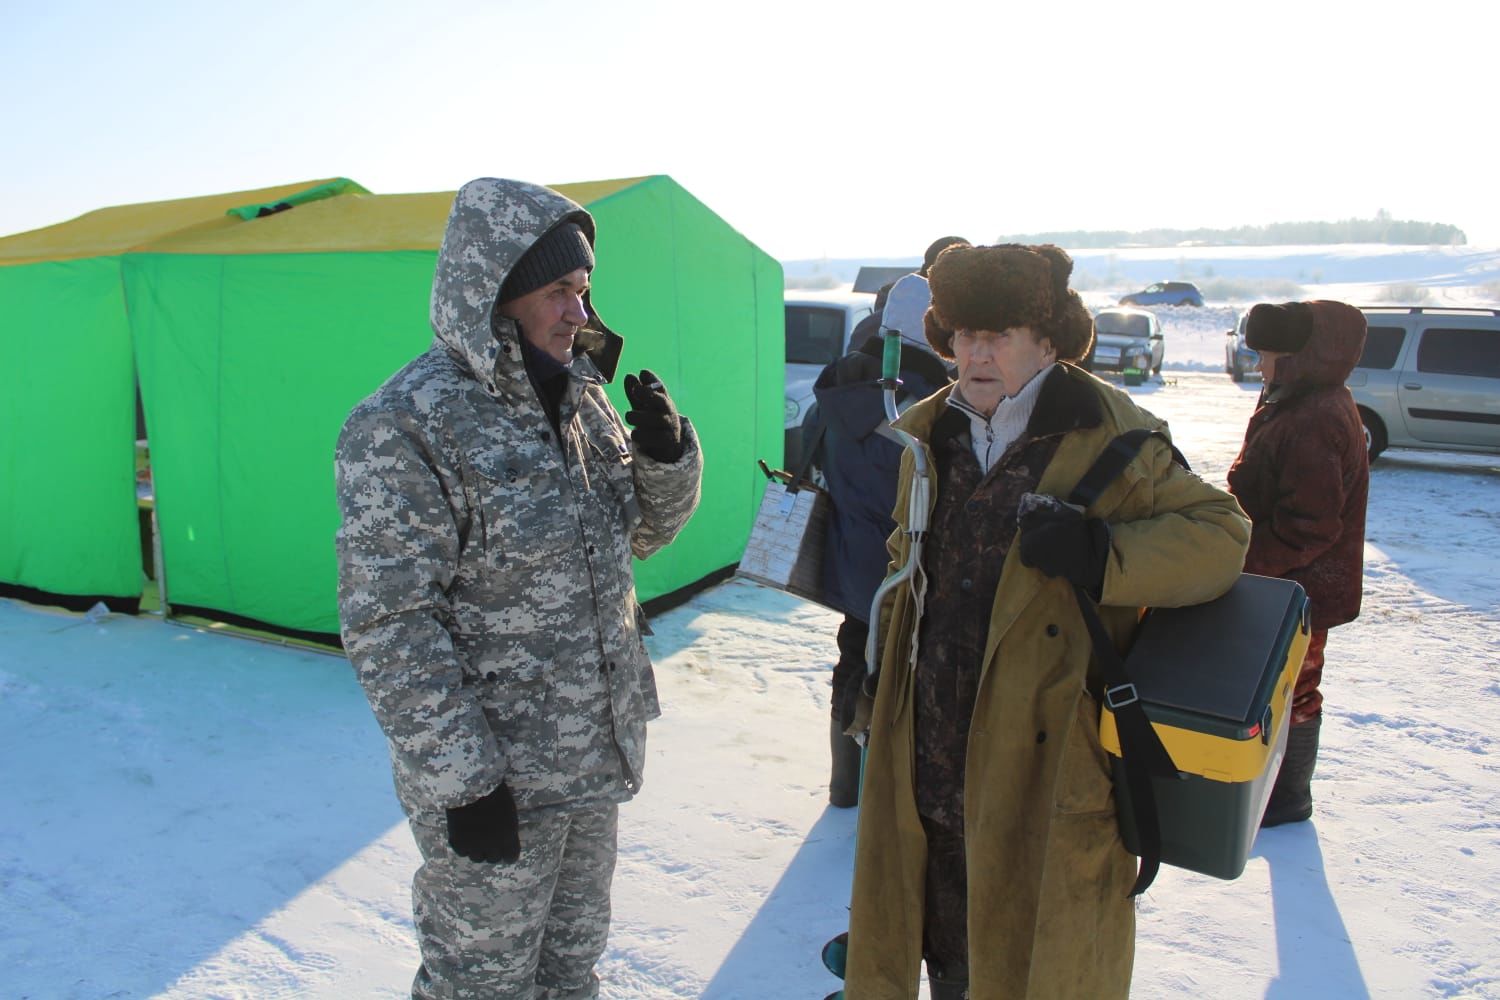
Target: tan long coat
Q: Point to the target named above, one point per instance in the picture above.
(1049, 917)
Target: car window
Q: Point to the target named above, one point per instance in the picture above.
(1382, 345)
(1451, 351)
(1123, 324)
(814, 335)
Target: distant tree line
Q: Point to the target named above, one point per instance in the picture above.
(1381, 229)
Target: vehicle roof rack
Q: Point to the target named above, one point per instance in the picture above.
(1413, 310)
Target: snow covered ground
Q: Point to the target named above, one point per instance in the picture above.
(188, 814)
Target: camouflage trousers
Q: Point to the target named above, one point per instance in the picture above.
(531, 930)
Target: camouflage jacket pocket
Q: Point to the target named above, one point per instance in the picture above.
(613, 477)
(520, 707)
(652, 704)
(523, 519)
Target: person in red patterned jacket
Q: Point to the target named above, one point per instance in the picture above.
(1303, 476)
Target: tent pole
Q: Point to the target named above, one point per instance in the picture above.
(161, 568)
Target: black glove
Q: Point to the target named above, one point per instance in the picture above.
(1060, 541)
(657, 426)
(487, 829)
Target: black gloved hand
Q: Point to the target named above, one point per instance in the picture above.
(487, 829)
(657, 426)
(1060, 541)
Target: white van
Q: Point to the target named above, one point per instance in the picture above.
(818, 327)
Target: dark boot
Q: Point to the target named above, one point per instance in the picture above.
(947, 989)
(1291, 796)
(843, 783)
(947, 981)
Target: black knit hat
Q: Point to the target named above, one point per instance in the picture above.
(1285, 328)
(562, 250)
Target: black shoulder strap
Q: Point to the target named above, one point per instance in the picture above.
(1117, 454)
(1141, 748)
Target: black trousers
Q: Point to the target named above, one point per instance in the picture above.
(849, 671)
(945, 911)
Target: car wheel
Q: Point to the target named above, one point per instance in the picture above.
(1236, 372)
(1375, 436)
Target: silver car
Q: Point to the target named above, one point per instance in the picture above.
(1128, 341)
(1429, 378)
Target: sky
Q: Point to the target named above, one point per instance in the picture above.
(835, 128)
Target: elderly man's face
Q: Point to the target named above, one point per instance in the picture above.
(550, 316)
(993, 365)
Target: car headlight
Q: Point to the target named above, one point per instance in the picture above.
(791, 410)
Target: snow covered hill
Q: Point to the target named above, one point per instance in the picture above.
(1362, 274)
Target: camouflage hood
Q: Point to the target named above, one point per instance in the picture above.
(492, 225)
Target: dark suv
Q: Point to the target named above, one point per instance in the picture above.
(1165, 293)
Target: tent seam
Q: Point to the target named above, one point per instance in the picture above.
(233, 599)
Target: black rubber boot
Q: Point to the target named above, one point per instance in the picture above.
(843, 782)
(947, 980)
(943, 989)
(1291, 796)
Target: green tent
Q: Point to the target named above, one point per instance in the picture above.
(68, 512)
(254, 333)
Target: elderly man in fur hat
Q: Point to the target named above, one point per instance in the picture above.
(1303, 476)
(988, 843)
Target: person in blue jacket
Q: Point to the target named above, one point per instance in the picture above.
(860, 460)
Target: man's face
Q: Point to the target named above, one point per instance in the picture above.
(993, 365)
(550, 316)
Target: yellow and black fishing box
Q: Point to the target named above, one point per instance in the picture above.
(1216, 683)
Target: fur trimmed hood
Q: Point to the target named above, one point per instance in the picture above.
(1335, 340)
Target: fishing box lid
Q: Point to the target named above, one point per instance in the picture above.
(1218, 660)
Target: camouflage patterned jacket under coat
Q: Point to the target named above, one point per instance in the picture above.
(486, 597)
(1048, 874)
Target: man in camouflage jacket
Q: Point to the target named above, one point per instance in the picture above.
(491, 502)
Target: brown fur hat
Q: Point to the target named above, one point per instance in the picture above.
(1000, 287)
(1285, 328)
